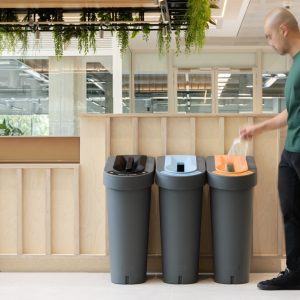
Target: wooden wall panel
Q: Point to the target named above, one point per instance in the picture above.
(34, 213)
(62, 211)
(39, 149)
(150, 142)
(8, 211)
(265, 217)
(46, 216)
(179, 136)
(232, 126)
(209, 136)
(122, 134)
(93, 154)
(203, 135)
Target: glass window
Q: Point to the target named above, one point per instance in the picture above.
(45, 96)
(24, 94)
(125, 93)
(126, 73)
(99, 88)
(150, 83)
(194, 92)
(235, 91)
(151, 93)
(273, 92)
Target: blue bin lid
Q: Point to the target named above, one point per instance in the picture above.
(180, 172)
(180, 163)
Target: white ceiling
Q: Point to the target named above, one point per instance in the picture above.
(240, 25)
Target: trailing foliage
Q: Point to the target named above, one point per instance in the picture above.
(197, 17)
(192, 26)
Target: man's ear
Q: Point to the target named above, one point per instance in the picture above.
(284, 30)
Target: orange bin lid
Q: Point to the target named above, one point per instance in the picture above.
(231, 164)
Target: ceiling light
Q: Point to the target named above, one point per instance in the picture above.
(281, 75)
(270, 82)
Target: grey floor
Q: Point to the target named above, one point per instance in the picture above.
(90, 286)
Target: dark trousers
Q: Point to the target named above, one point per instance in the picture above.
(289, 193)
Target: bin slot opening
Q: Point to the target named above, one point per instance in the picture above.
(141, 163)
(120, 163)
(126, 164)
(180, 167)
(180, 163)
(129, 164)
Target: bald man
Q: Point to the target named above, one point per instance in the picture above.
(282, 33)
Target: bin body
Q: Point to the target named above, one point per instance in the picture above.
(231, 210)
(180, 201)
(128, 201)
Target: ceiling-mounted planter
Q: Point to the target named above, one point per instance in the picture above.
(191, 19)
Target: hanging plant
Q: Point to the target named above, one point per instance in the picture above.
(87, 33)
(69, 32)
(177, 39)
(106, 18)
(58, 40)
(160, 40)
(194, 23)
(197, 17)
(123, 38)
(57, 34)
(9, 36)
(123, 31)
(146, 32)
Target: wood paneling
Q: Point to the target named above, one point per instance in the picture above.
(39, 209)
(8, 211)
(93, 147)
(203, 135)
(49, 209)
(39, 149)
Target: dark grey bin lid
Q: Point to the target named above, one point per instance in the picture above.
(243, 182)
(179, 172)
(129, 172)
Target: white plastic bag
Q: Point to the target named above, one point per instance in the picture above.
(238, 147)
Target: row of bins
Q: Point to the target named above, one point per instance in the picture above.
(128, 180)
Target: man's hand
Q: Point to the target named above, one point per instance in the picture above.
(248, 132)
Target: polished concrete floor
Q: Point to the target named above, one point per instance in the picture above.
(92, 286)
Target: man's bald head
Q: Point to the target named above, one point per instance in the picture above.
(279, 16)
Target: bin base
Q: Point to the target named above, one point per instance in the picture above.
(180, 279)
(128, 279)
(227, 279)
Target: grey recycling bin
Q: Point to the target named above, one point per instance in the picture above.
(128, 181)
(180, 179)
(231, 209)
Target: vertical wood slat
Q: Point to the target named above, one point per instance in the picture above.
(222, 134)
(164, 135)
(135, 135)
(193, 135)
(48, 247)
(107, 137)
(107, 154)
(19, 212)
(76, 212)
(251, 143)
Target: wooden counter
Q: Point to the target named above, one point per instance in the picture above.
(53, 216)
(26, 149)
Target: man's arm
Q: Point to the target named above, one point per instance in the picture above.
(278, 121)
